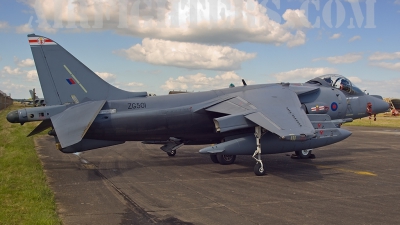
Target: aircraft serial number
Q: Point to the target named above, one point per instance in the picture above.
(136, 105)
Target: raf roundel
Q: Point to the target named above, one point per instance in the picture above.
(334, 106)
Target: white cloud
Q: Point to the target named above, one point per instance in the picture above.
(348, 58)
(10, 71)
(24, 63)
(355, 80)
(135, 84)
(336, 36)
(387, 65)
(32, 75)
(200, 82)
(3, 25)
(378, 56)
(303, 74)
(385, 88)
(214, 21)
(355, 38)
(187, 55)
(24, 29)
(109, 77)
(397, 2)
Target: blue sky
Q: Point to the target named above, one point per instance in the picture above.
(200, 45)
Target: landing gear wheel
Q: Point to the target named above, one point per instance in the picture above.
(172, 153)
(226, 159)
(304, 154)
(214, 158)
(259, 169)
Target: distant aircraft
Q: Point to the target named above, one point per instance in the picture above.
(85, 112)
(34, 100)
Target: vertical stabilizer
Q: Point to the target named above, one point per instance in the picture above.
(64, 79)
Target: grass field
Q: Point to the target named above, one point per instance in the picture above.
(25, 197)
(381, 121)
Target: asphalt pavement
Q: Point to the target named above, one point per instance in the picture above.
(356, 181)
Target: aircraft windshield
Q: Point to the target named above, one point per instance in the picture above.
(342, 83)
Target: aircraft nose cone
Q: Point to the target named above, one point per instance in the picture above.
(379, 106)
(13, 117)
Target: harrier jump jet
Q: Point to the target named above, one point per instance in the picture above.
(84, 112)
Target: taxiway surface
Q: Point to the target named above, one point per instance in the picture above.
(356, 181)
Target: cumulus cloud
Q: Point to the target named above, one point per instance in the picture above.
(200, 82)
(24, 29)
(24, 62)
(187, 55)
(3, 25)
(134, 84)
(109, 77)
(348, 58)
(8, 70)
(219, 21)
(32, 75)
(355, 38)
(303, 74)
(385, 88)
(379, 56)
(355, 80)
(387, 65)
(336, 36)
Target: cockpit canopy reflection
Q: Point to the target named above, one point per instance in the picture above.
(339, 82)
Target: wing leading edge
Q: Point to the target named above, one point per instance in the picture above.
(275, 108)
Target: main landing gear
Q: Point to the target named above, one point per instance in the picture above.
(223, 159)
(304, 154)
(259, 167)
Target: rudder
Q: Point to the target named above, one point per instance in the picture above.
(64, 79)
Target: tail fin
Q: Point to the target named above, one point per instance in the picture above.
(64, 79)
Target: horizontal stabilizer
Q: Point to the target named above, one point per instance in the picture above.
(72, 124)
(45, 124)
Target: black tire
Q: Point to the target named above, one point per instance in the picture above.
(172, 153)
(214, 158)
(304, 154)
(226, 159)
(258, 170)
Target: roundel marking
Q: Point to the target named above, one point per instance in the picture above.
(334, 106)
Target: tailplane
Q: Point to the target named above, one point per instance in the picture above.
(64, 79)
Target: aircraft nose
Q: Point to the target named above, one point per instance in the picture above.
(379, 106)
(13, 117)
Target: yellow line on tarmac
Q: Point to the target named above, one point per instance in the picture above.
(366, 173)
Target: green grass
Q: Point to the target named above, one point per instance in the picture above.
(25, 197)
(382, 120)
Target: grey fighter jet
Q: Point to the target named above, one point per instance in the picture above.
(84, 112)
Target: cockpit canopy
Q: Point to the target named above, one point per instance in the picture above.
(339, 82)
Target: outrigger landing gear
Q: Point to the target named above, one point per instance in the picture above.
(259, 167)
(172, 145)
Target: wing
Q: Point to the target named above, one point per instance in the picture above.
(275, 108)
(72, 124)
